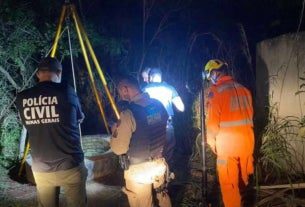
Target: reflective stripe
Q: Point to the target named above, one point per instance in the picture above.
(228, 86)
(236, 123)
(239, 103)
(221, 162)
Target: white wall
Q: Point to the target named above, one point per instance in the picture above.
(284, 59)
(279, 66)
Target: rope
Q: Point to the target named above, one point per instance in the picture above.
(73, 70)
(71, 55)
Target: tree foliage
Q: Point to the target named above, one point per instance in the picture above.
(24, 39)
(20, 45)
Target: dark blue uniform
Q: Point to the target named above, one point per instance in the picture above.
(149, 138)
(50, 112)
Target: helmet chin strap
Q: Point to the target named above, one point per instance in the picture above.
(213, 81)
(215, 77)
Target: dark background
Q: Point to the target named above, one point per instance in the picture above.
(178, 36)
(194, 31)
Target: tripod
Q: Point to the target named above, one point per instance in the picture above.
(69, 9)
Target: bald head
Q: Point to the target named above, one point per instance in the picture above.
(128, 87)
(129, 81)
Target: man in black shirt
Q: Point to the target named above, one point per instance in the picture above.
(51, 112)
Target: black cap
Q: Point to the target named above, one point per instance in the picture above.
(50, 64)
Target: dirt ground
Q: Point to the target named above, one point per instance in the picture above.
(105, 192)
(101, 193)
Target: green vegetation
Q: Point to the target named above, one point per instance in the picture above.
(20, 44)
(275, 163)
(24, 40)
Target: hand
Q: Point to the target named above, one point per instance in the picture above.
(213, 149)
(79, 121)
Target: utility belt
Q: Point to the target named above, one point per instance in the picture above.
(134, 161)
(126, 161)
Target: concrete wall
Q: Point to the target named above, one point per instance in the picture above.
(280, 64)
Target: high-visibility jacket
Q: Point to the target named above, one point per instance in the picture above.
(229, 118)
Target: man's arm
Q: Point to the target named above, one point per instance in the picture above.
(177, 101)
(122, 132)
(80, 114)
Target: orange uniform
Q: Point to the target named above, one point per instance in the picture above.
(230, 135)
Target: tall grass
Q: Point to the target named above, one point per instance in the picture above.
(278, 160)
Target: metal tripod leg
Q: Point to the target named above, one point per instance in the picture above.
(93, 85)
(96, 63)
(27, 149)
(54, 48)
(58, 30)
(81, 34)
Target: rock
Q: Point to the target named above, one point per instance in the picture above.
(99, 159)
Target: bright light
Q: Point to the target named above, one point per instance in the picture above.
(161, 93)
(147, 172)
(156, 78)
(164, 95)
(178, 103)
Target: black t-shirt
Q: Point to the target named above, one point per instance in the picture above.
(50, 112)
